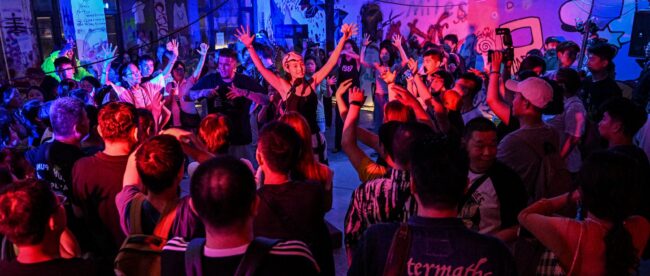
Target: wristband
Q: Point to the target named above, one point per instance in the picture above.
(495, 73)
(357, 103)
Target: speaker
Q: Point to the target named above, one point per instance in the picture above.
(640, 33)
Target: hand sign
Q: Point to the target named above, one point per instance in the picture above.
(244, 35)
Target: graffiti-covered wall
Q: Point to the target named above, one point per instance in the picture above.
(531, 21)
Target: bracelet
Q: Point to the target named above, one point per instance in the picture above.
(357, 103)
(495, 73)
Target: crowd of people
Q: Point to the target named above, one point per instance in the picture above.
(540, 170)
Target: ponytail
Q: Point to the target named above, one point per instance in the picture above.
(620, 255)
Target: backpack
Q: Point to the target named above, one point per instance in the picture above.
(140, 253)
(553, 178)
(255, 253)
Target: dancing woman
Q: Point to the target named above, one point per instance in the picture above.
(297, 94)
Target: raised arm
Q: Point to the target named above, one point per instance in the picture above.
(409, 100)
(172, 46)
(281, 85)
(203, 51)
(420, 86)
(108, 54)
(340, 103)
(349, 136)
(494, 101)
(397, 42)
(364, 46)
(348, 31)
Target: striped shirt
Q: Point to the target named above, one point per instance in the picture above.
(285, 258)
(378, 201)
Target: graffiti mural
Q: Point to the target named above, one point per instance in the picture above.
(531, 21)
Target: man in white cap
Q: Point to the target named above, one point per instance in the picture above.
(533, 150)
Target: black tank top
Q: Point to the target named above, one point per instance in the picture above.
(305, 105)
(348, 70)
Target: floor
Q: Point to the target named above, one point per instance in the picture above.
(345, 181)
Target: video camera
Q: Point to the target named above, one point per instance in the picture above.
(506, 38)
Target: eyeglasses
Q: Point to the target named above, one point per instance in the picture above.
(179, 69)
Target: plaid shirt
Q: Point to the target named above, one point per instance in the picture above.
(380, 200)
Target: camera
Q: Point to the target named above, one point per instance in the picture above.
(506, 39)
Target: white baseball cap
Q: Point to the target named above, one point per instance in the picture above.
(536, 90)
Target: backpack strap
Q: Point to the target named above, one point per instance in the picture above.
(193, 256)
(135, 214)
(165, 223)
(255, 253)
(400, 248)
(475, 185)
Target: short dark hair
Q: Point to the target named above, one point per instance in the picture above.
(227, 53)
(434, 52)
(570, 79)
(117, 120)
(315, 59)
(92, 80)
(532, 61)
(439, 172)
(144, 58)
(568, 46)
(58, 62)
(405, 136)
(478, 82)
(451, 37)
(64, 113)
(222, 191)
(631, 116)
(386, 134)
(448, 78)
(278, 143)
(481, 124)
(158, 161)
(25, 209)
(603, 50)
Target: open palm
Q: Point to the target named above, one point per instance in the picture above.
(244, 35)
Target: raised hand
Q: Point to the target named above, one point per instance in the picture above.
(203, 49)
(366, 40)
(244, 35)
(397, 41)
(172, 46)
(349, 30)
(413, 65)
(356, 95)
(235, 92)
(108, 53)
(331, 80)
(403, 95)
(343, 88)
